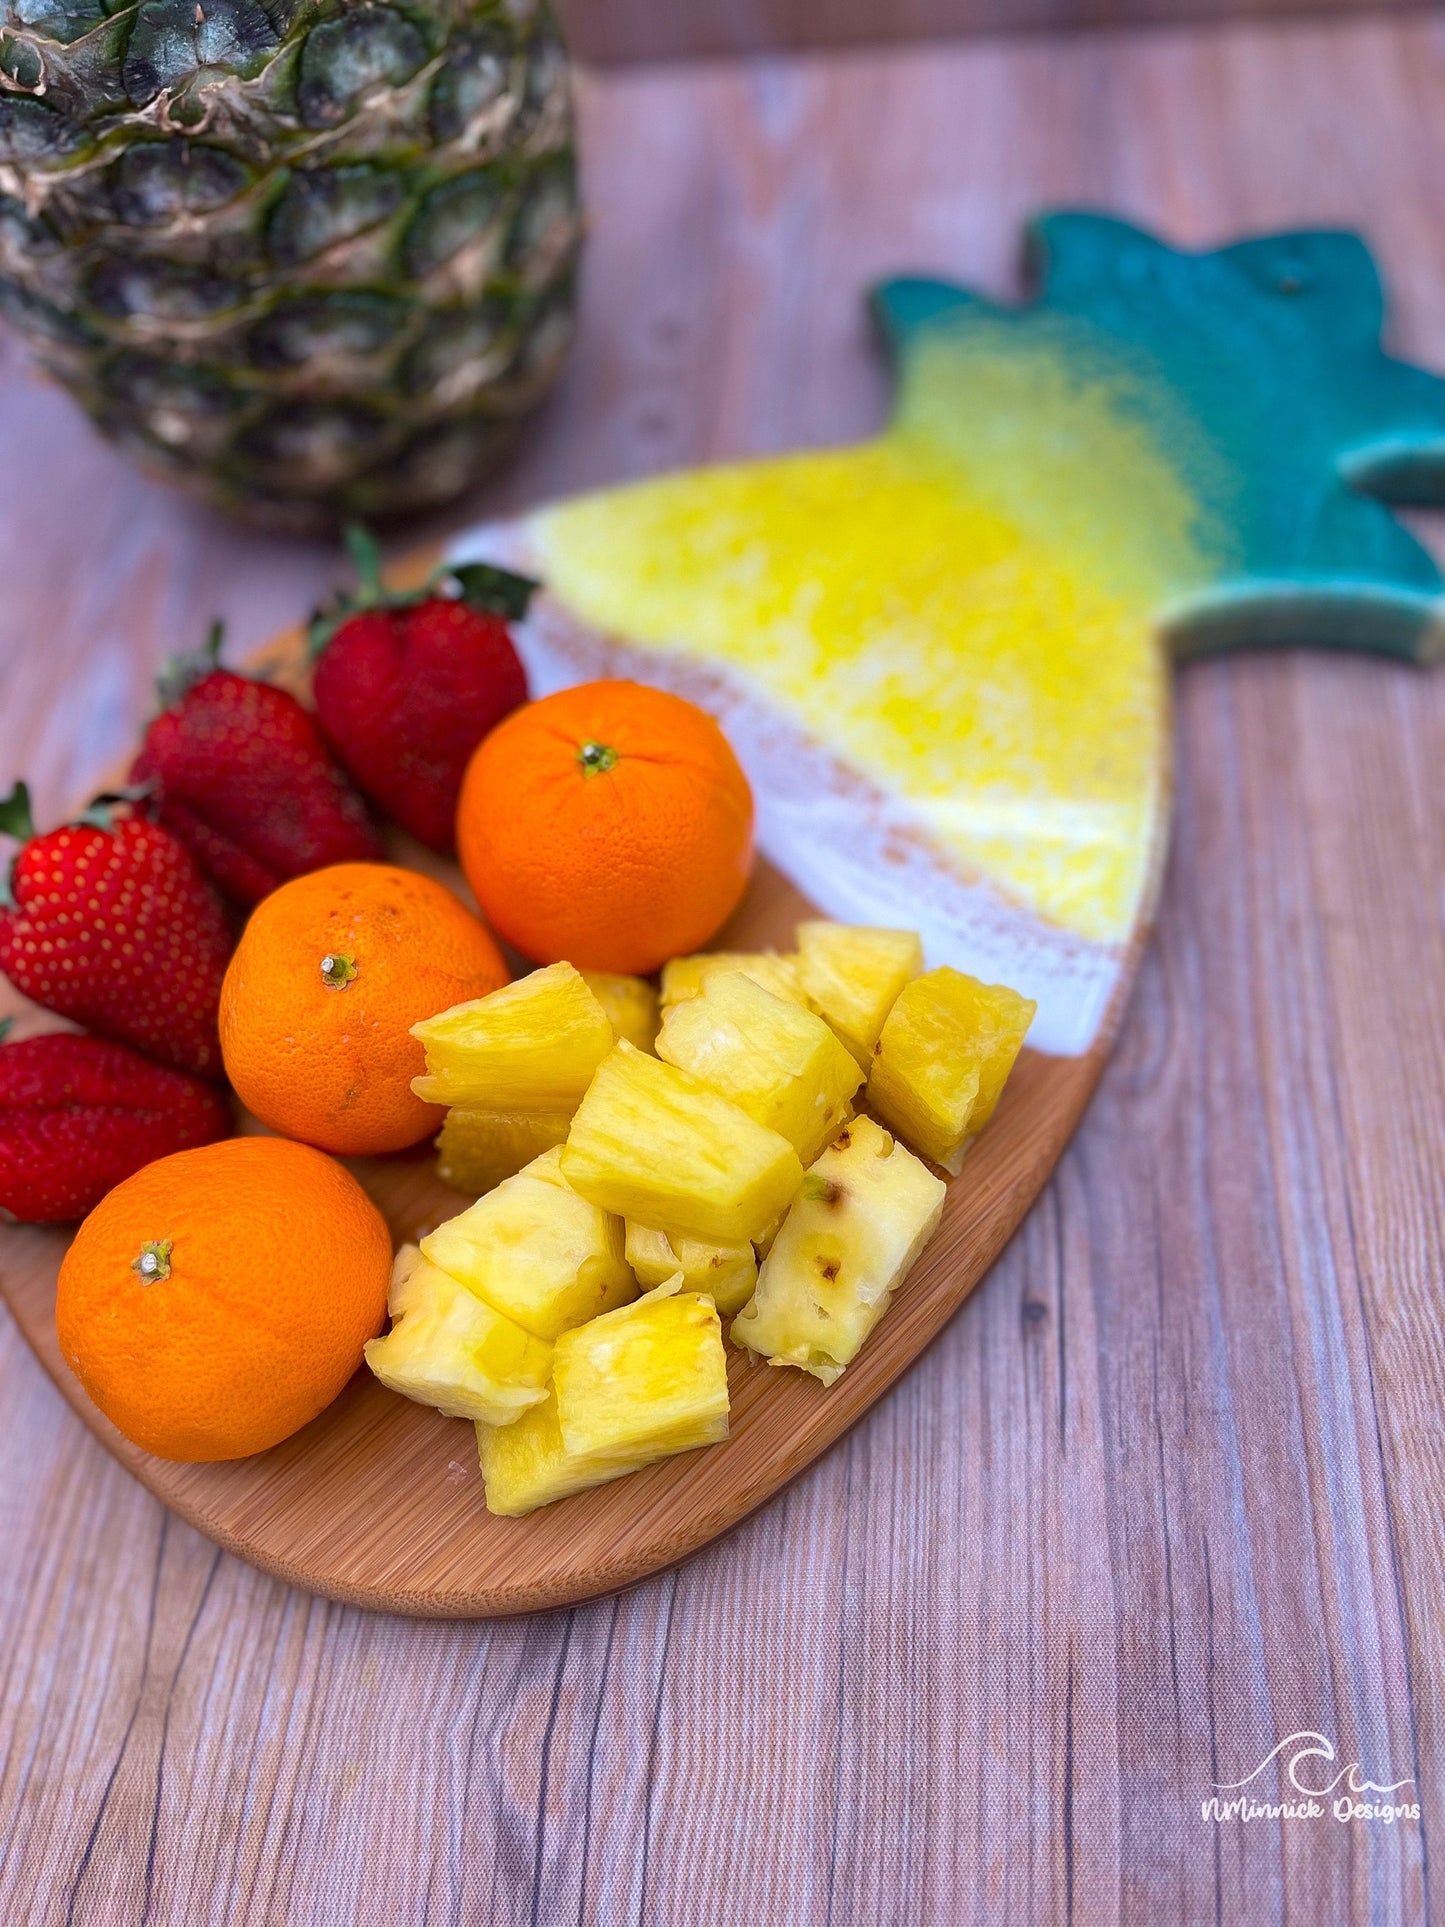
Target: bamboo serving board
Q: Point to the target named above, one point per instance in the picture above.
(379, 1502)
(1120, 481)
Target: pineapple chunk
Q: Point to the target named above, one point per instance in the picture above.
(684, 977)
(645, 1381)
(773, 1059)
(852, 975)
(530, 1046)
(477, 1149)
(526, 1465)
(448, 1349)
(868, 1207)
(630, 1003)
(763, 1243)
(726, 1273)
(536, 1252)
(943, 1058)
(651, 1143)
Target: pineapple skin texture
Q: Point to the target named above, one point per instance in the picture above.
(533, 1045)
(536, 1252)
(943, 1058)
(725, 1273)
(527, 1464)
(630, 1003)
(651, 1144)
(644, 1382)
(311, 262)
(853, 975)
(684, 977)
(448, 1349)
(774, 1059)
(867, 1209)
(476, 1150)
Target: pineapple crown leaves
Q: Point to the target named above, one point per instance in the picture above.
(17, 820)
(1257, 375)
(480, 585)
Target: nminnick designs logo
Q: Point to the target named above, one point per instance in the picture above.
(1349, 1795)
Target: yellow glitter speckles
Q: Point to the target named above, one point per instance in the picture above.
(951, 656)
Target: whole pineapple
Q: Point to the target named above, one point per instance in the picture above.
(313, 257)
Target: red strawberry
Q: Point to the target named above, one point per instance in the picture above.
(407, 685)
(109, 922)
(245, 781)
(77, 1116)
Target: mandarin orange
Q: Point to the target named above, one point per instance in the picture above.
(610, 825)
(217, 1300)
(331, 972)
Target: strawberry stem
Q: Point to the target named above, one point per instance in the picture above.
(7, 1024)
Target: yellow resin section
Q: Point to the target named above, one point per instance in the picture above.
(961, 610)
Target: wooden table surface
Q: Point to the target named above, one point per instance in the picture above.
(1170, 1489)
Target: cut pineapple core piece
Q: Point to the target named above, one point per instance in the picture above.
(643, 1382)
(477, 1149)
(630, 1003)
(526, 1465)
(684, 977)
(726, 1273)
(774, 1059)
(852, 975)
(536, 1251)
(867, 1209)
(652, 1144)
(530, 1046)
(448, 1349)
(943, 1058)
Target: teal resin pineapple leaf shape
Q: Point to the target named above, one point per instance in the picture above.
(1259, 370)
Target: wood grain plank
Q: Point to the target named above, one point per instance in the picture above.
(627, 32)
(980, 1663)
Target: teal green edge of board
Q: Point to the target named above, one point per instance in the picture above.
(1257, 371)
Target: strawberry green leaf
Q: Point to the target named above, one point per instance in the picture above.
(366, 558)
(99, 813)
(15, 820)
(488, 590)
(15, 817)
(180, 673)
(494, 591)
